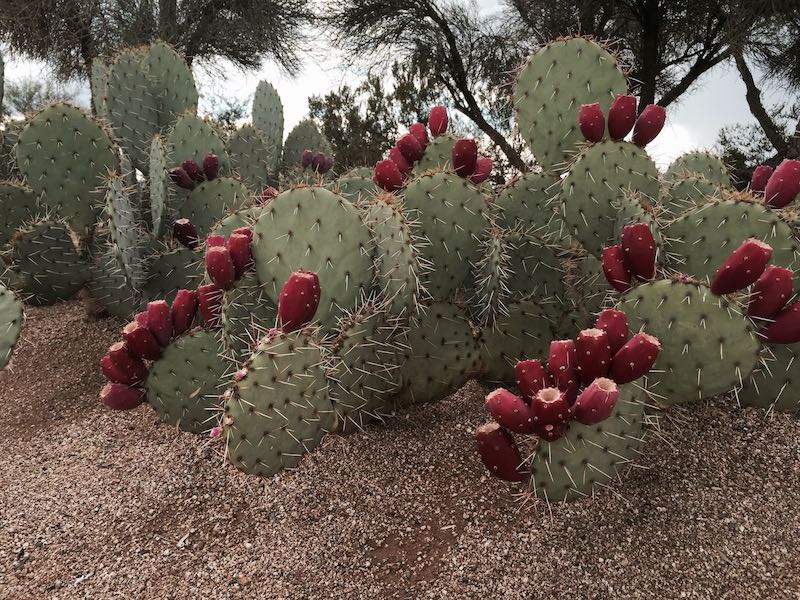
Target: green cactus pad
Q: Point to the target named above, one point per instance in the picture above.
(360, 172)
(250, 157)
(702, 238)
(441, 354)
(192, 138)
(109, 288)
(171, 271)
(687, 192)
(160, 188)
(707, 346)
(453, 217)
(530, 203)
(8, 143)
(356, 189)
(213, 200)
(248, 314)
(438, 155)
(601, 178)
(491, 276)
(365, 366)
(99, 77)
(703, 164)
(587, 291)
(268, 119)
(171, 83)
(280, 410)
(775, 385)
(183, 386)
(126, 233)
(550, 90)
(590, 457)
(397, 266)
(312, 228)
(17, 206)
(11, 318)
(244, 217)
(305, 136)
(49, 267)
(65, 157)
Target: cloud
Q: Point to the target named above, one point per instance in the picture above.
(674, 140)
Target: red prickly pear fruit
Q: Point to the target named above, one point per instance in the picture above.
(615, 270)
(114, 374)
(635, 358)
(241, 254)
(438, 120)
(770, 293)
(211, 166)
(194, 171)
(299, 300)
(132, 367)
(621, 116)
(210, 297)
(400, 161)
(550, 410)
(185, 232)
(245, 231)
(118, 396)
(784, 184)
(308, 157)
(761, 175)
(213, 241)
(419, 131)
(639, 250)
(649, 124)
(388, 176)
(742, 268)
(465, 157)
(499, 453)
(266, 195)
(615, 324)
(531, 376)
(596, 402)
(181, 178)
(593, 354)
(410, 147)
(785, 329)
(327, 164)
(141, 341)
(563, 367)
(159, 321)
(141, 318)
(219, 266)
(316, 161)
(184, 309)
(483, 169)
(509, 410)
(592, 122)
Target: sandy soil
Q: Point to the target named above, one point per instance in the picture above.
(97, 504)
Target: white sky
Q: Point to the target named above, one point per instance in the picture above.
(718, 99)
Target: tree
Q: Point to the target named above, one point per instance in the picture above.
(27, 95)
(70, 34)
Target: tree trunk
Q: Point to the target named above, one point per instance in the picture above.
(168, 20)
(648, 74)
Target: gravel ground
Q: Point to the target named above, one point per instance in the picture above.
(97, 504)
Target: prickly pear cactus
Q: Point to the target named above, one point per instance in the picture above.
(305, 136)
(11, 318)
(170, 271)
(438, 155)
(126, 233)
(191, 138)
(775, 385)
(248, 314)
(213, 200)
(250, 157)
(702, 164)
(268, 120)
(529, 202)
(18, 205)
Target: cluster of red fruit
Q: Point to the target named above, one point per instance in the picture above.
(317, 161)
(189, 174)
(621, 119)
(780, 186)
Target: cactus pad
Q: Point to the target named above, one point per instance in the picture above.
(247, 315)
(171, 83)
(438, 155)
(250, 157)
(11, 318)
(212, 200)
(172, 271)
(529, 202)
(17, 206)
(774, 385)
(160, 191)
(356, 189)
(268, 119)
(191, 138)
(125, 233)
(305, 136)
(109, 288)
(686, 193)
(703, 164)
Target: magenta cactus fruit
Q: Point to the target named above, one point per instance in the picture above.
(215, 240)
(119, 396)
(402, 163)
(530, 376)
(186, 233)
(131, 366)
(211, 166)
(193, 170)
(509, 410)
(770, 293)
(184, 309)
(245, 231)
(499, 453)
(181, 178)
(592, 354)
(438, 121)
(483, 169)
(307, 159)
(649, 124)
(615, 270)
(159, 321)
(141, 318)
(299, 300)
(141, 341)
(761, 175)
(327, 164)
(635, 358)
(388, 176)
(241, 253)
(219, 266)
(563, 367)
(742, 268)
(785, 329)
(596, 402)
(615, 324)
(784, 184)
(410, 147)
(621, 116)
(266, 195)
(316, 161)
(550, 410)
(419, 131)
(639, 250)
(465, 157)
(210, 300)
(114, 374)
(592, 122)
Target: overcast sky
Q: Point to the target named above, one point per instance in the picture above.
(717, 100)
